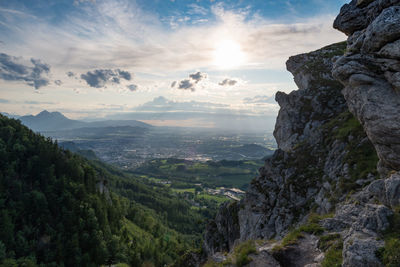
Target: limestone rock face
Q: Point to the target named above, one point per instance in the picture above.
(387, 191)
(360, 222)
(224, 230)
(318, 99)
(301, 173)
(370, 71)
(331, 134)
(358, 14)
(313, 165)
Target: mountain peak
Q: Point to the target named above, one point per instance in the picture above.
(44, 112)
(47, 114)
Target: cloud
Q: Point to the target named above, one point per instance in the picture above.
(190, 84)
(162, 107)
(260, 100)
(198, 76)
(70, 74)
(13, 69)
(30, 102)
(187, 84)
(125, 75)
(132, 87)
(195, 9)
(131, 36)
(162, 104)
(78, 2)
(39, 103)
(58, 82)
(99, 78)
(228, 82)
(121, 34)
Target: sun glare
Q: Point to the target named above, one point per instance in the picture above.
(228, 54)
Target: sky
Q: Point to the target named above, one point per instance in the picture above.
(99, 58)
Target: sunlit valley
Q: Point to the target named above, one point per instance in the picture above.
(199, 133)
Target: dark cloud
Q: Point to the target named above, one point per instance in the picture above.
(99, 78)
(260, 99)
(132, 87)
(190, 84)
(186, 84)
(12, 70)
(70, 74)
(58, 82)
(38, 70)
(124, 74)
(198, 76)
(228, 82)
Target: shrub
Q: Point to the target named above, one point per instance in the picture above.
(333, 256)
(390, 253)
(327, 241)
(242, 252)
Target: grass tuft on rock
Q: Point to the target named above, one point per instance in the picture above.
(311, 227)
(390, 253)
(242, 252)
(333, 256)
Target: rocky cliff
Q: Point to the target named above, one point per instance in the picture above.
(370, 71)
(331, 132)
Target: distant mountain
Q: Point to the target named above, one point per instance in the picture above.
(54, 121)
(45, 121)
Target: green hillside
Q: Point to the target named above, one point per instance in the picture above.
(186, 174)
(59, 209)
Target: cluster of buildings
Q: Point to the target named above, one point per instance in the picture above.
(233, 193)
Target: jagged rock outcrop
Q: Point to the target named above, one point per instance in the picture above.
(330, 137)
(370, 71)
(318, 99)
(314, 166)
(221, 233)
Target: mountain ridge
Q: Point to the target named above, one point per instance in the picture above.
(54, 121)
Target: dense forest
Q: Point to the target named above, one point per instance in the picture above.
(60, 209)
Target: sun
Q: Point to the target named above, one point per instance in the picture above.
(228, 54)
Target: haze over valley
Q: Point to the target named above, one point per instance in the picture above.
(199, 133)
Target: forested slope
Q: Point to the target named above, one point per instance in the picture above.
(59, 209)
